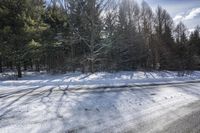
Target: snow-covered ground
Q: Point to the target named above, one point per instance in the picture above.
(100, 79)
(41, 103)
(133, 109)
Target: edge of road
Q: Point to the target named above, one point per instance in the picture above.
(107, 88)
(137, 85)
(134, 86)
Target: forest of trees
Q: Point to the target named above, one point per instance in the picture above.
(93, 35)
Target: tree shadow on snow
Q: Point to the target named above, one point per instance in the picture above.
(77, 111)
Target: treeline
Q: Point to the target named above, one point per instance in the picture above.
(93, 35)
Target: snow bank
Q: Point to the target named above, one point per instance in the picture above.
(100, 79)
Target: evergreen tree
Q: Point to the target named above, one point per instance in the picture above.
(163, 27)
(93, 35)
(181, 42)
(20, 22)
(129, 44)
(54, 43)
(194, 47)
(146, 20)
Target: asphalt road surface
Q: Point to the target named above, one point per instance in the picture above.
(173, 108)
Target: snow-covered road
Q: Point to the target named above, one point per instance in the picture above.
(131, 109)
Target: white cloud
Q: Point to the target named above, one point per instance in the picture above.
(187, 16)
(191, 30)
(178, 18)
(192, 14)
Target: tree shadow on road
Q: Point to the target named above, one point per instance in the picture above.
(76, 110)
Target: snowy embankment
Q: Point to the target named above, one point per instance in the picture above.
(100, 79)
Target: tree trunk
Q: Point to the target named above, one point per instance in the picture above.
(31, 64)
(92, 36)
(72, 58)
(1, 69)
(11, 65)
(92, 66)
(37, 66)
(25, 66)
(19, 71)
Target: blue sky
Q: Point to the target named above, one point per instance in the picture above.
(187, 11)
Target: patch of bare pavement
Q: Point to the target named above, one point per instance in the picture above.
(188, 124)
(182, 120)
(173, 108)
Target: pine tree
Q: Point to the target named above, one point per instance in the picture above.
(129, 43)
(146, 19)
(181, 42)
(54, 44)
(194, 47)
(21, 22)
